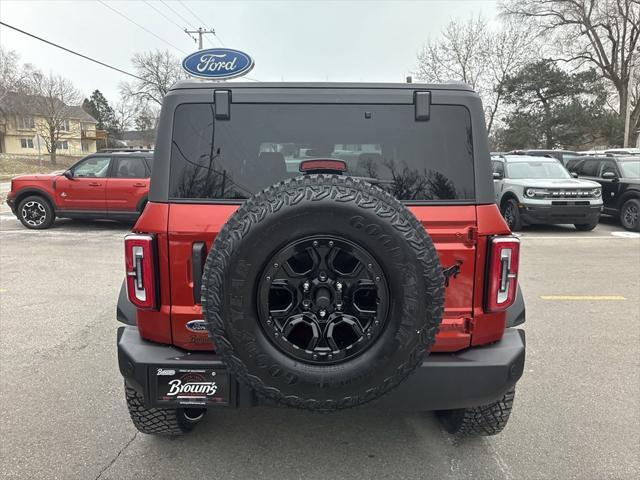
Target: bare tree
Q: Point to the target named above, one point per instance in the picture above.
(125, 113)
(459, 54)
(604, 34)
(9, 72)
(160, 70)
(56, 98)
(472, 52)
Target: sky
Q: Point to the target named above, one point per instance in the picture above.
(371, 41)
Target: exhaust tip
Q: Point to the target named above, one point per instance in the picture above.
(194, 414)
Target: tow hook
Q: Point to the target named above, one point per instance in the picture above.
(451, 271)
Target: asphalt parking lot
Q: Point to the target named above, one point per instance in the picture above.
(63, 413)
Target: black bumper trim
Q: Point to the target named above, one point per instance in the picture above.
(516, 313)
(560, 214)
(126, 311)
(12, 204)
(470, 378)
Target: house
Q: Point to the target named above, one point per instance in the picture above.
(23, 125)
(139, 139)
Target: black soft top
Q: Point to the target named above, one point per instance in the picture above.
(197, 84)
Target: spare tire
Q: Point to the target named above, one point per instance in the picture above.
(322, 292)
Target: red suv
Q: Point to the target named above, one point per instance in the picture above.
(321, 246)
(111, 185)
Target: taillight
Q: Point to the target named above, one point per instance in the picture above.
(140, 263)
(504, 254)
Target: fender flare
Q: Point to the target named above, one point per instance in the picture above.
(25, 192)
(141, 203)
(628, 195)
(507, 195)
(126, 311)
(516, 312)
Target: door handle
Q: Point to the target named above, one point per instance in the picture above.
(94, 184)
(139, 184)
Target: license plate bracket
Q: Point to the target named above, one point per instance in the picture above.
(191, 386)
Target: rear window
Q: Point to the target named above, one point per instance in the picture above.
(262, 144)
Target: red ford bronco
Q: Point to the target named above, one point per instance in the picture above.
(321, 246)
(110, 185)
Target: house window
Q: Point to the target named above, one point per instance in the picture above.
(64, 126)
(26, 142)
(62, 145)
(26, 123)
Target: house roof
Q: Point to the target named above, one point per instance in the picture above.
(136, 134)
(34, 105)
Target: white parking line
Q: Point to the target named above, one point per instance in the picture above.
(577, 237)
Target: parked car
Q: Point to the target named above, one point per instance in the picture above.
(103, 185)
(623, 151)
(619, 177)
(561, 155)
(250, 285)
(539, 190)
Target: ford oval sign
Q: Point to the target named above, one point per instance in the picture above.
(218, 63)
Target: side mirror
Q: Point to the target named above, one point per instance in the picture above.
(573, 174)
(68, 174)
(609, 175)
(497, 176)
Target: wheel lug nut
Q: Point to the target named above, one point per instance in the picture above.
(322, 277)
(377, 279)
(315, 243)
(306, 304)
(322, 313)
(315, 356)
(369, 266)
(268, 278)
(330, 357)
(275, 265)
(306, 285)
(331, 243)
(338, 286)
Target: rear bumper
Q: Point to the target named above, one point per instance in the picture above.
(556, 214)
(470, 378)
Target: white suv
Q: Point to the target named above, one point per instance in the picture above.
(540, 190)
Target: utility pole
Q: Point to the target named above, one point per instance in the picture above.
(627, 118)
(200, 31)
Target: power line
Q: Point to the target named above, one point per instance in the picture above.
(199, 19)
(140, 26)
(165, 16)
(72, 51)
(188, 23)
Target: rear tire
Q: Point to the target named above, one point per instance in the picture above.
(35, 212)
(511, 215)
(160, 421)
(630, 215)
(585, 227)
(479, 421)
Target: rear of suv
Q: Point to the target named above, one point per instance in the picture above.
(106, 185)
(321, 246)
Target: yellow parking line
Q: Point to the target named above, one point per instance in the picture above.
(582, 297)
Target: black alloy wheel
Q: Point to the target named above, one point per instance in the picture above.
(323, 299)
(630, 215)
(512, 215)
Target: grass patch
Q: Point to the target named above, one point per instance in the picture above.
(12, 167)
